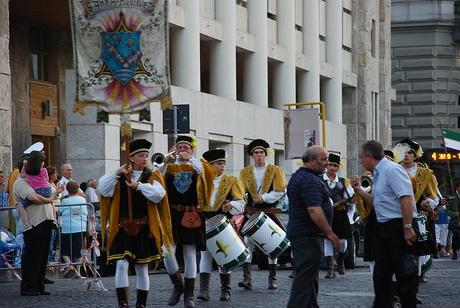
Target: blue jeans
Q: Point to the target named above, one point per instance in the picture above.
(44, 191)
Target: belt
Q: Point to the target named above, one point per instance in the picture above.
(183, 208)
(269, 210)
(141, 221)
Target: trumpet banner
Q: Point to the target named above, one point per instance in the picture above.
(121, 53)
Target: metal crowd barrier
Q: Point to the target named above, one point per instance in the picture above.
(68, 234)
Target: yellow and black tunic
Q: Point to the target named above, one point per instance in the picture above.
(187, 188)
(155, 230)
(273, 180)
(230, 188)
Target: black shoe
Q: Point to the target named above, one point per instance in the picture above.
(45, 292)
(454, 256)
(48, 281)
(29, 293)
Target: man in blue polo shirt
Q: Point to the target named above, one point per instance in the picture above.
(310, 217)
(393, 201)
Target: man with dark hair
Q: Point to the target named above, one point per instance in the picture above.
(393, 201)
(310, 218)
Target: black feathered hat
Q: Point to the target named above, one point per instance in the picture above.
(212, 156)
(258, 144)
(389, 154)
(414, 146)
(138, 146)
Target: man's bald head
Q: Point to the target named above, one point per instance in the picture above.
(315, 158)
(312, 153)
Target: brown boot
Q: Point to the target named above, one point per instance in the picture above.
(204, 287)
(340, 264)
(225, 288)
(246, 282)
(330, 268)
(178, 284)
(141, 301)
(188, 292)
(122, 296)
(272, 285)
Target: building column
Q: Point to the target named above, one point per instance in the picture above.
(309, 86)
(185, 54)
(255, 88)
(285, 77)
(333, 95)
(222, 60)
(5, 90)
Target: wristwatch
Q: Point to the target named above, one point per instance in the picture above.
(407, 226)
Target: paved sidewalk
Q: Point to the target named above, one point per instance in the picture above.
(354, 289)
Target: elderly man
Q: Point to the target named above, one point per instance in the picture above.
(393, 201)
(36, 240)
(310, 218)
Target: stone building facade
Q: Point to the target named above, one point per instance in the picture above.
(5, 89)
(235, 62)
(425, 66)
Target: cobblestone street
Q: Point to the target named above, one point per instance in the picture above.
(354, 289)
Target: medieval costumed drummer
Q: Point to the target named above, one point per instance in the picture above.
(137, 236)
(265, 185)
(227, 198)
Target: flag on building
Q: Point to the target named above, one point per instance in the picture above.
(451, 139)
(121, 53)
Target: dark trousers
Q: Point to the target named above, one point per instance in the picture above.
(306, 252)
(35, 256)
(456, 239)
(390, 246)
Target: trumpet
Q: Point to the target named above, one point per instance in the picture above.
(366, 183)
(160, 158)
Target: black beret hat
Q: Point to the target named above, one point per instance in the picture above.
(214, 155)
(334, 159)
(138, 146)
(186, 139)
(258, 144)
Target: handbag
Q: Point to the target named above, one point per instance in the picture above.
(191, 219)
(409, 266)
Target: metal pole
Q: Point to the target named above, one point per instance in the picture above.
(447, 160)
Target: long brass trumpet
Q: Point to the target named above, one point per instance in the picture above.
(160, 158)
(366, 183)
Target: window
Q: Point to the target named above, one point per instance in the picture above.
(38, 54)
(375, 116)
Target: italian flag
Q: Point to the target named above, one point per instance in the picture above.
(451, 139)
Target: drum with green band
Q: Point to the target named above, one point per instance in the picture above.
(266, 234)
(222, 241)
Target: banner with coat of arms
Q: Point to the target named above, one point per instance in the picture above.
(121, 53)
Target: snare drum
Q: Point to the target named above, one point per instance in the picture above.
(226, 247)
(421, 223)
(266, 234)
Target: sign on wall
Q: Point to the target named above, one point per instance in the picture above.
(302, 130)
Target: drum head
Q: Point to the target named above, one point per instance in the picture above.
(214, 222)
(252, 221)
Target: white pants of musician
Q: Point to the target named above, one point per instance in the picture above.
(142, 275)
(329, 249)
(251, 247)
(441, 234)
(171, 265)
(206, 263)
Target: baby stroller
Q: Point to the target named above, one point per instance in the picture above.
(9, 249)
